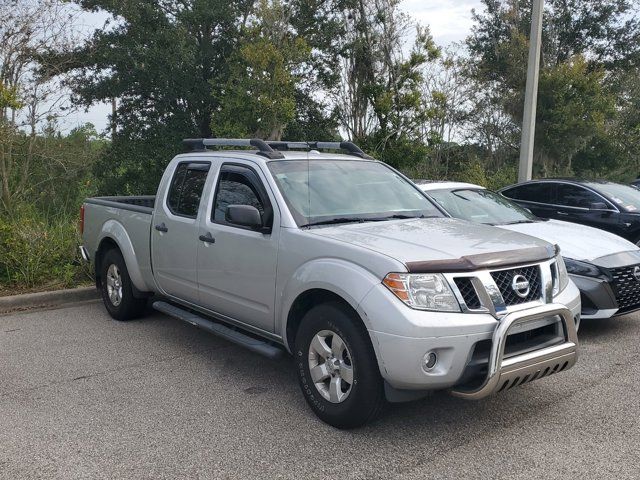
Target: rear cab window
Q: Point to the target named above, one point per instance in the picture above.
(185, 191)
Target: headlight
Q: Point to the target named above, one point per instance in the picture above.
(423, 291)
(584, 269)
(561, 279)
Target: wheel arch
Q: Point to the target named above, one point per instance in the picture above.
(114, 235)
(322, 280)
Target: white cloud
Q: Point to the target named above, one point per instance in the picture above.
(450, 21)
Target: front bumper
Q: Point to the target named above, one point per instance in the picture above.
(598, 297)
(402, 337)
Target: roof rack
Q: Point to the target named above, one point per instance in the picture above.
(272, 149)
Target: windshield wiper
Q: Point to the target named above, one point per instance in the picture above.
(334, 221)
(517, 222)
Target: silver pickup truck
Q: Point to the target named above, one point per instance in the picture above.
(342, 262)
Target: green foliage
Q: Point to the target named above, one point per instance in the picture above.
(160, 60)
(39, 251)
(259, 99)
(587, 47)
(9, 97)
(49, 171)
(38, 234)
(573, 106)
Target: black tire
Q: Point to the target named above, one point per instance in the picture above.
(365, 400)
(129, 306)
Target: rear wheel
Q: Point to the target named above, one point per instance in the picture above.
(337, 367)
(117, 289)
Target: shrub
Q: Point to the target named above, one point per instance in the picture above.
(36, 251)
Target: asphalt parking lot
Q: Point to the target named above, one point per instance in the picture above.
(83, 396)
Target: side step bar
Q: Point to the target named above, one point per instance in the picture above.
(235, 336)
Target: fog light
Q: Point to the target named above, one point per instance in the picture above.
(429, 361)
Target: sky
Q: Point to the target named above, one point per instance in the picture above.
(449, 21)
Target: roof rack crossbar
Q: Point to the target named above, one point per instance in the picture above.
(349, 147)
(263, 147)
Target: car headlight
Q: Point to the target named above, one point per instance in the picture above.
(423, 291)
(561, 279)
(575, 267)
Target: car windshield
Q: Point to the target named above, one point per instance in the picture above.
(481, 206)
(342, 191)
(624, 196)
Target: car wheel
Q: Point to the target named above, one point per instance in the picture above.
(337, 367)
(117, 289)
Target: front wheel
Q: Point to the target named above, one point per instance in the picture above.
(337, 367)
(117, 289)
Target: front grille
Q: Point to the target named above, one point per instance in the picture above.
(627, 289)
(468, 293)
(504, 280)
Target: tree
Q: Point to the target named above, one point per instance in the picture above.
(584, 45)
(160, 60)
(573, 107)
(28, 97)
(259, 99)
(379, 101)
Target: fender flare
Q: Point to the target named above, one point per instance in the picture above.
(340, 277)
(116, 232)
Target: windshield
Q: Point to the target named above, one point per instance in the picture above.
(481, 206)
(341, 191)
(624, 196)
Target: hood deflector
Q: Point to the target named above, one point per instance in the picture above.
(470, 263)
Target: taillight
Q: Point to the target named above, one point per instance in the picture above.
(81, 219)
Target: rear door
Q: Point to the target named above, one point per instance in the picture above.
(237, 265)
(174, 233)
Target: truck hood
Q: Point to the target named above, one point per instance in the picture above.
(575, 241)
(439, 240)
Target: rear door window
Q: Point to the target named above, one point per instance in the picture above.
(186, 188)
(532, 192)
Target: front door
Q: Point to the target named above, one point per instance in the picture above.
(174, 232)
(236, 264)
(575, 205)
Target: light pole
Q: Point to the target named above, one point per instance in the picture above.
(531, 93)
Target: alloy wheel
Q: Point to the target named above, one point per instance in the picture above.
(331, 366)
(114, 285)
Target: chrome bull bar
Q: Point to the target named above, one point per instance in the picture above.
(510, 372)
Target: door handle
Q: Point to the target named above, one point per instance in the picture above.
(208, 238)
(562, 213)
(162, 228)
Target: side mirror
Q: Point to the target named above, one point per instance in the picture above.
(244, 215)
(598, 206)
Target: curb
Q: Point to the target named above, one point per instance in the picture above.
(28, 301)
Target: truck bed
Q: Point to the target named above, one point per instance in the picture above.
(141, 203)
(127, 219)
